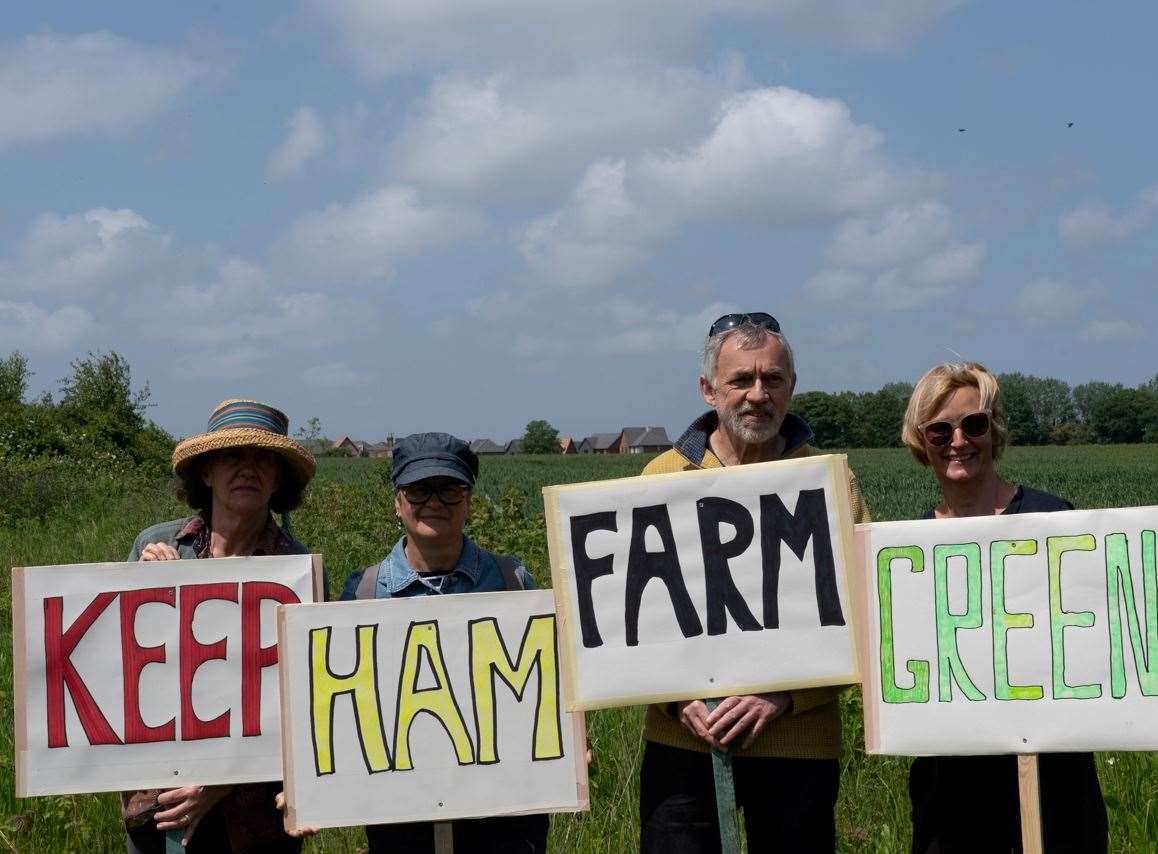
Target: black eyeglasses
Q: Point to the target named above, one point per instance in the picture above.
(940, 433)
(449, 494)
(731, 321)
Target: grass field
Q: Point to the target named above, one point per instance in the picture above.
(349, 518)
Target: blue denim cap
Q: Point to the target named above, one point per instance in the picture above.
(424, 455)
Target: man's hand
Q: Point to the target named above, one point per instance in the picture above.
(159, 551)
(185, 807)
(693, 714)
(744, 717)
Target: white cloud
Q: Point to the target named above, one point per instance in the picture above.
(598, 236)
(385, 37)
(902, 233)
(1045, 301)
(835, 285)
(54, 85)
(894, 290)
(776, 156)
(306, 140)
(241, 304)
(844, 332)
(911, 248)
(1092, 225)
(510, 132)
(362, 240)
(28, 327)
(334, 375)
(958, 262)
(81, 253)
(1109, 331)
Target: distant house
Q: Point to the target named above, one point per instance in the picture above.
(567, 446)
(601, 443)
(378, 449)
(486, 446)
(515, 446)
(354, 446)
(643, 440)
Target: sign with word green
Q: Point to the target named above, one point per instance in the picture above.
(1027, 633)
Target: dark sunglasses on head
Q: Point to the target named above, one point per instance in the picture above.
(757, 318)
(449, 494)
(940, 433)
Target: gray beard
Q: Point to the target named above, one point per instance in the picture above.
(752, 435)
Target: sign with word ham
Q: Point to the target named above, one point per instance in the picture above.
(150, 675)
(426, 708)
(1027, 633)
(705, 583)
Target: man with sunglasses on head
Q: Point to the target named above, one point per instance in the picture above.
(433, 476)
(785, 745)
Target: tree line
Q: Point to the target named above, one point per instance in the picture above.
(1040, 411)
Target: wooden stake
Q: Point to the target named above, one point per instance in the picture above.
(725, 797)
(1030, 789)
(443, 837)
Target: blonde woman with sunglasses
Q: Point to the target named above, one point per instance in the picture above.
(955, 424)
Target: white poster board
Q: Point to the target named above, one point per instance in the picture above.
(704, 584)
(1027, 633)
(426, 708)
(150, 675)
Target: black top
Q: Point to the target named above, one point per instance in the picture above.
(1026, 500)
(948, 792)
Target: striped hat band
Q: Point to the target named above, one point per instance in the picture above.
(233, 414)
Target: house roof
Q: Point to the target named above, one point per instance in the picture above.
(652, 437)
(603, 441)
(486, 446)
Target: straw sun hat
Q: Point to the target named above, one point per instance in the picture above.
(246, 424)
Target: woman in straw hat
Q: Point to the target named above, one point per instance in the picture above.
(233, 475)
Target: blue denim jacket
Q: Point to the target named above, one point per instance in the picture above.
(477, 571)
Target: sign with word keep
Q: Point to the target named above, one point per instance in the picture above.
(704, 583)
(150, 675)
(426, 708)
(1026, 633)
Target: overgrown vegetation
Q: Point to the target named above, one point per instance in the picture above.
(348, 516)
(92, 439)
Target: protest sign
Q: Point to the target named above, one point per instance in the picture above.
(705, 583)
(150, 675)
(1011, 634)
(426, 708)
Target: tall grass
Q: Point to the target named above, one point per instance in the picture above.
(348, 516)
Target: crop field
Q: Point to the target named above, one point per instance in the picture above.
(349, 517)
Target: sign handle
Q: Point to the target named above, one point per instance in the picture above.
(443, 837)
(173, 842)
(1030, 789)
(725, 796)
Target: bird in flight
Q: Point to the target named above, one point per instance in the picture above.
(1069, 124)
(960, 130)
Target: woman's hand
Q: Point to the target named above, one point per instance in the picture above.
(159, 551)
(279, 802)
(185, 807)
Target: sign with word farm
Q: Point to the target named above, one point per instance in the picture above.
(1027, 633)
(150, 675)
(426, 708)
(705, 583)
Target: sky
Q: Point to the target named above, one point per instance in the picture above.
(405, 215)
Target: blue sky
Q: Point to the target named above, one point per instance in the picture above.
(400, 216)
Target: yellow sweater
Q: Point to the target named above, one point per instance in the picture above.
(811, 730)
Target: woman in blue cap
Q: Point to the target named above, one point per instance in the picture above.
(433, 476)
